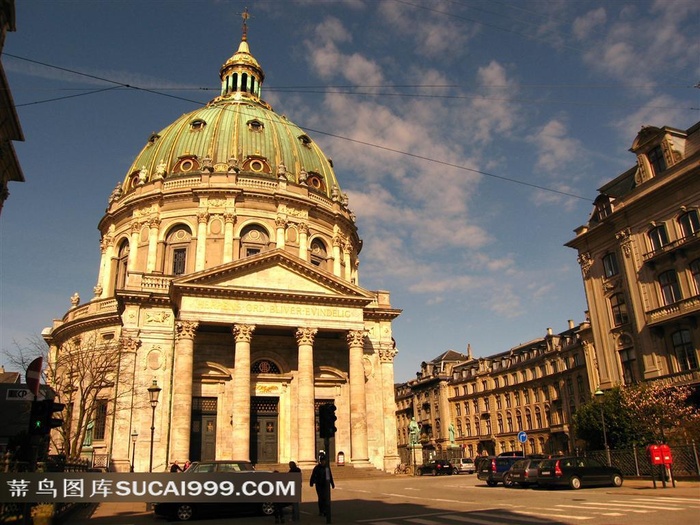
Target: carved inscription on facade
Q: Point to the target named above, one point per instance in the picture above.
(255, 308)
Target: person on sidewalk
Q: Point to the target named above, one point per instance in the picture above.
(322, 478)
(295, 506)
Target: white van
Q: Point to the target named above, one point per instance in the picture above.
(465, 465)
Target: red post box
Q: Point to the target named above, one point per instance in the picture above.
(666, 455)
(655, 456)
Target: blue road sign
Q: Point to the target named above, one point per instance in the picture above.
(522, 436)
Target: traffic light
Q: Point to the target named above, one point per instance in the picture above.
(326, 420)
(41, 418)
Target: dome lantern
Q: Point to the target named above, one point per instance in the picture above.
(241, 75)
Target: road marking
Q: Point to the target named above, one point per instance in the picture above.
(602, 506)
(505, 516)
(621, 504)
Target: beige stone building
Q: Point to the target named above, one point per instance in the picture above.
(230, 276)
(640, 258)
(10, 129)
(532, 388)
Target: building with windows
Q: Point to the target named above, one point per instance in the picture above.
(640, 259)
(533, 389)
(10, 129)
(229, 278)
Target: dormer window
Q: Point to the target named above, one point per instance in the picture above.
(305, 140)
(255, 125)
(657, 160)
(197, 125)
(315, 181)
(153, 139)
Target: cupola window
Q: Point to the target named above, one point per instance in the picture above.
(319, 253)
(255, 125)
(178, 246)
(254, 240)
(186, 163)
(315, 181)
(197, 125)
(257, 165)
(153, 139)
(305, 140)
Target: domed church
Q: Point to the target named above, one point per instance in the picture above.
(229, 280)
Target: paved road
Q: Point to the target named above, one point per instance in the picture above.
(455, 500)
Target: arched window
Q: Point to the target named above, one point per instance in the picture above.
(509, 422)
(689, 223)
(264, 366)
(178, 246)
(658, 237)
(685, 351)
(254, 240)
(670, 290)
(319, 252)
(519, 419)
(528, 419)
(619, 309)
(538, 417)
(499, 422)
(695, 273)
(122, 264)
(610, 265)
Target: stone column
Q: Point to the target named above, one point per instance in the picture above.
(358, 408)
(304, 241)
(346, 261)
(120, 448)
(133, 246)
(182, 390)
(306, 421)
(229, 221)
(280, 224)
(100, 287)
(202, 221)
(387, 352)
(337, 244)
(243, 333)
(154, 229)
(108, 276)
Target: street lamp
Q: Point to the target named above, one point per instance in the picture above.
(599, 394)
(153, 393)
(134, 435)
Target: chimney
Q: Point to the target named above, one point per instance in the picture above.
(549, 331)
(571, 324)
(469, 351)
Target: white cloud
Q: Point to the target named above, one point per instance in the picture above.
(584, 25)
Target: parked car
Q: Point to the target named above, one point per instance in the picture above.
(438, 467)
(494, 468)
(465, 465)
(187, 511)
(576, 472)
(522, 473)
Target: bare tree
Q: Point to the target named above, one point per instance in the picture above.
(85, 374)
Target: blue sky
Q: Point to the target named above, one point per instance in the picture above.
(445, 120)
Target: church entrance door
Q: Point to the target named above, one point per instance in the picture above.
(264, 432)
(203, 429)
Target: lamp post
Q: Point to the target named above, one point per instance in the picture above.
(153, 393)
(134, 435)
(599, 394)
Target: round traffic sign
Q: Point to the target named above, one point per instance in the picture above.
(522, 436)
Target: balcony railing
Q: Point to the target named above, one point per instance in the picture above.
(673, 311)
(671, 246)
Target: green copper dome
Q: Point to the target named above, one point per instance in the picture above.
(237, 132)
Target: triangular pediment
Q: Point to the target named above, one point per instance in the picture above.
(274, 273)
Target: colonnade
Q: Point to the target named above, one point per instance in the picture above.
(305, 424)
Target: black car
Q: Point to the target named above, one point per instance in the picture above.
(188, 511)
(576, 472)
(493, 469)
(522, 473)
(438, 467)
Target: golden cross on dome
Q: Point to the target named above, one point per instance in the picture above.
(245, 16)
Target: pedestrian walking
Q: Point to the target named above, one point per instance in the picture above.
(322, 479)
(295, 506)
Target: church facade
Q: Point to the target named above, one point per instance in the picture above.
(229, 279)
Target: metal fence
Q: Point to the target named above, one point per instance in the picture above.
(633, 462)
(15, 512)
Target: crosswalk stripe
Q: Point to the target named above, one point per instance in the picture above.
(567, 516)
(602, 506)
